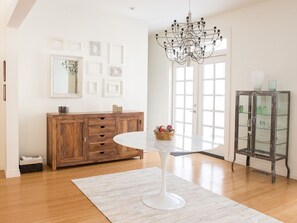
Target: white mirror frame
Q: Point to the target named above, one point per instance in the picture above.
(79, 77)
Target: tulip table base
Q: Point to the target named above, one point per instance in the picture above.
(163, 200)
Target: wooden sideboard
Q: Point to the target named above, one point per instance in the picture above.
(82, 138)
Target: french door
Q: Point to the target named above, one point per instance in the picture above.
(199, 97)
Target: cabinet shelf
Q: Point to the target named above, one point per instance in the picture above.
(262, 135)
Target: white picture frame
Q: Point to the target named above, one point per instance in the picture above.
(116, 55)
(116, 71)
(73, 46)
(112, 88)
(95, 48)
(92, 87)
(57, 44)
(94, 68)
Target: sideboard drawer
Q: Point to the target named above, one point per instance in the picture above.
(96, 130)
(103, 137)
(102, 120)
(98, 146)
(103, 155)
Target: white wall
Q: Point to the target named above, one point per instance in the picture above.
(48, 19)
(262, 37)
(159, 82)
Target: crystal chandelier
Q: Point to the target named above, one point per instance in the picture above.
(190, 41)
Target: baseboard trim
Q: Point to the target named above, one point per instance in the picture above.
(10, 174)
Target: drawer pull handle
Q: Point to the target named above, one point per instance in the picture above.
(102, 118)
(102, 127)
(102, 144)
(101, 152)
(102, 135)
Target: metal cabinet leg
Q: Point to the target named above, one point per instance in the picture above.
(288, 169)
(247, 161)
(273, 171)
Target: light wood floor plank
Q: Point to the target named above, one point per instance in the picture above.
(50, 196)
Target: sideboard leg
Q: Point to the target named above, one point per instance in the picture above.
(273, 171)
(288, 169)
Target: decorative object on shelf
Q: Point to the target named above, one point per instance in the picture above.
(116, 71)
(272, 85)
(257, 78)
(190, 41)
(164, 132)
(240, 108)
(117, 109)
(116, 55)
(95, 48)
(63, 109)
(112, 88)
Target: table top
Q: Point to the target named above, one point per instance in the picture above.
(147, 141)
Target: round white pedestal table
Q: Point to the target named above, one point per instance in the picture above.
(162, 200)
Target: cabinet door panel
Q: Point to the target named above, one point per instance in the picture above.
(70, 141)
(129, 124)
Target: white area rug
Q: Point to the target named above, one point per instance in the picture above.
(118, 197)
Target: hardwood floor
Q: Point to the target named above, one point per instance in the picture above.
(50, 196)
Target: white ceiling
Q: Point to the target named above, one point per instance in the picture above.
(159, 14)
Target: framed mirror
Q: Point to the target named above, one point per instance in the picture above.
(66, 76)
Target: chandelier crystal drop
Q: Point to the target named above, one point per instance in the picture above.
(190, 41)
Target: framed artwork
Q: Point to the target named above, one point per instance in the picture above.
(94, 68)
(116, 71)
(112, 88)
(4, 71)
(93, 87)
(95, 48)
(116, 55)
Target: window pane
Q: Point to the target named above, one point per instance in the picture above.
(188, 129)
(179, 115)
(189, 87)
(220, 87)
(188, 116)
(219, 119)
(179, 88)
(179, 140)
(208, 87)
(208, 102)
(179, 101)
(189, 102)
(220, 70)
(179, 128)
(180, 74)
(189, 73)
(207, 118)
(206, 131)
(219, 132)
(187, 143)
(208, 71)
(220, 103)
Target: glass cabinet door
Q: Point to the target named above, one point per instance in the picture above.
(244, 124)
(263, 126)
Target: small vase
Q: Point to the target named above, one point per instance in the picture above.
(257, 78)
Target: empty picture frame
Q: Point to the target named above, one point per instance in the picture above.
(57, 44)
(116, 55)
(95, 48)
(94, 68)
(116, 71)
(112, 88)
(93, 87)
(73, 46)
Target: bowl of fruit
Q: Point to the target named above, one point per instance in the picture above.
(164, 132)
